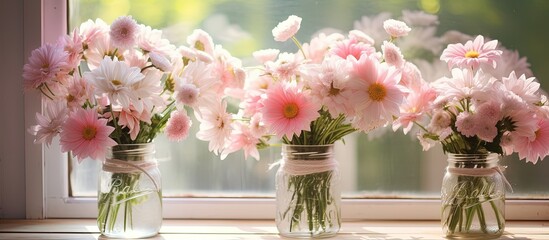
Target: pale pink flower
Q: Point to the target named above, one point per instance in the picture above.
(465, 124)
(242, 138)
(419, 18)
(78, 92)
(200, 75)
(425, 141)
(411, 77)
(257, 127)
(328, 83)
(441, 120)
(486, 130)
(251, 104)
(215, 125)
(464, 83)
(148, 90)
(100, 48)
(73, 45)
(373, 26)
(351, 48)
(525, 88)
(376, 93)
(160, 62)
(288, 111)
(123, 32)
(177, 127)
(392, 54)
(86, 135)
(285, 67)
(414, 106)
(136, 59)
(131, 118)
(266, 55)
(151, 40)
(473, 54)
(317, 49)
(360, 36)
(396, 28)
(287, 28)
(90, 30)
(44, 65)
(508, 62)
(116, 80)
(50, 123)
(490, 112)
(524, 121)
(532, 149)
(228, 70)
(201, 41)
(187, 93)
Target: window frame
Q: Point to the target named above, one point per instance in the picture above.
(47, 175)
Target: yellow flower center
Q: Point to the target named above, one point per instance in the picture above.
(70, 98)
(377, 92)
(116, 82)
(472, 54)
(89, 133)
(199, 45)
(291, 110)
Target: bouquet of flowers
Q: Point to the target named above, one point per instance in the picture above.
(489, 104)
(330, 87)
(108, 86)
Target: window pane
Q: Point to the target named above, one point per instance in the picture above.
(381, 164)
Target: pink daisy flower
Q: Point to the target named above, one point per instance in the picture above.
(288, 111)
(242, 138)
(50, 123)
(131, 118)
(396, 28)
(72, 44)
(392, 54)
(351, 48)
(287, 28)
(86, 135)
(266, 55)
(414, 106)
(525, 88)
(201, 40)
(532, 149)
(123, 32)
(178, 126)
(285, 67)
(472, 54)
(377, 95)
(465, 124)
(316, 49)
(328, 83)
(464, 83)
(490, 112)
(44, 65)
(215, 125)
(187, 93)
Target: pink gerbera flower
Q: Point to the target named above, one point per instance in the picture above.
(178, 126)
(123, 32)
(396, 28)
(532, 149)
(44, 65)
(288, 111)
(242, 138)
(287, 28)
(50, 123)
(86, 135)
(472, 54)
(351, 48)
(465, 124)
(377, 95)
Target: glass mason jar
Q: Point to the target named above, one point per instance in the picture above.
(129, 194)
(308, 194)
(473, 197)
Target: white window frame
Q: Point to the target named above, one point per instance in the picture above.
(47, 175)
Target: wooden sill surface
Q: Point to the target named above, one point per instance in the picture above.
(253, 229)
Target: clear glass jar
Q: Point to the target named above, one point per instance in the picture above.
(308, 193)
(473, 197)
(129, 194)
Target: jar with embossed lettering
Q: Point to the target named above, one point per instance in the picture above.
(473, 197)
(129, 194)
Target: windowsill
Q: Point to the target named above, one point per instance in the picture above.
(252, 229)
